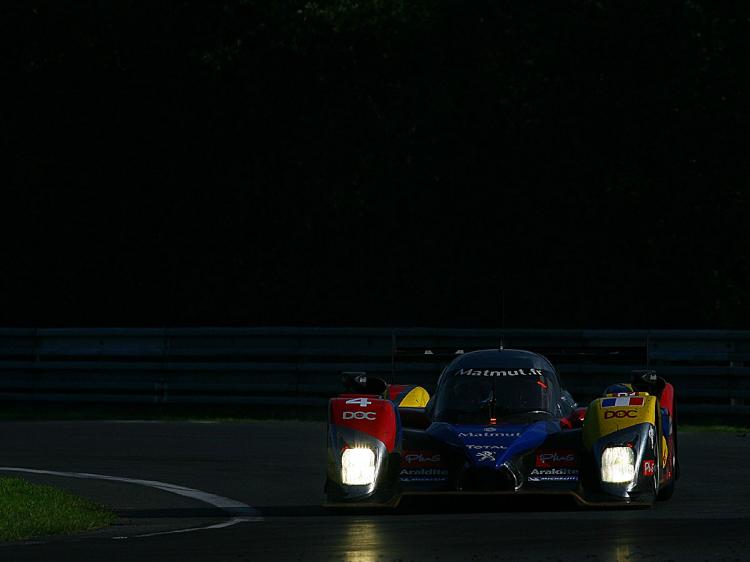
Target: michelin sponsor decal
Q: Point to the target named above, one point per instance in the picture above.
(494, 373)
(553, 475)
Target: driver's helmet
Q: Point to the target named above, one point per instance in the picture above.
(620, 388)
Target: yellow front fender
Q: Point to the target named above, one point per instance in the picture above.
(416, 398)
(613, 413)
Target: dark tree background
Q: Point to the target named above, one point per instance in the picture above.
(376, 162)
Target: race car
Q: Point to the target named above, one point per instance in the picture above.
(500, 422)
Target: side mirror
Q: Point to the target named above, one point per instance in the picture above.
(414, 418)
(647, 381)
(357, 382)
(574, 420)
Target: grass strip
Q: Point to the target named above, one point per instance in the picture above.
(31, 510)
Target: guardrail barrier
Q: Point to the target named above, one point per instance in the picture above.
(302, 366)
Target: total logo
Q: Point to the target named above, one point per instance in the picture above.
(359, 416)
(620, 414)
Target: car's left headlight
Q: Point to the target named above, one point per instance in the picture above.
(618, 465)
(358, 466)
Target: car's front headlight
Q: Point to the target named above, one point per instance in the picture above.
(358, 466)
(618, 465)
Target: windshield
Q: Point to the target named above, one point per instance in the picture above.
(479, 395)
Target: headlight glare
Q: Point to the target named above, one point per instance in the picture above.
(358, 466)
(618, 465)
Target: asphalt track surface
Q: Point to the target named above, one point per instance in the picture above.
(277, 469)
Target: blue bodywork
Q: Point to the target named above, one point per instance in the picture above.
(490, 446)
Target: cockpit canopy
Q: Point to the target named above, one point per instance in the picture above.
(495, 385)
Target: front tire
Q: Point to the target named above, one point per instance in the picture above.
(666, 492)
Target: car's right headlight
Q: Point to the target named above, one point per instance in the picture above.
(618, 465)
(358, 466)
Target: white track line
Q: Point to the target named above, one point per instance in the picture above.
(229, 523)
(241, 512)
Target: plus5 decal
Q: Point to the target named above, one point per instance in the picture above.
(359, 416)
(555, 459)
(421, 458)
(620, 414)
(649, 467)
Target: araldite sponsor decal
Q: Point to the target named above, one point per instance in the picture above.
(620, 414)
(649, 467)
(551, 459)
(423, 475)
(622, 401)
(554, 472)
(425, 459)
(553, 475)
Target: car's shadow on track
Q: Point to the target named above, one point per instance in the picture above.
(408, 506)
(485, 504)
(432, 506)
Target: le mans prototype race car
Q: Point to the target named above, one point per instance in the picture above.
(500, 422)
